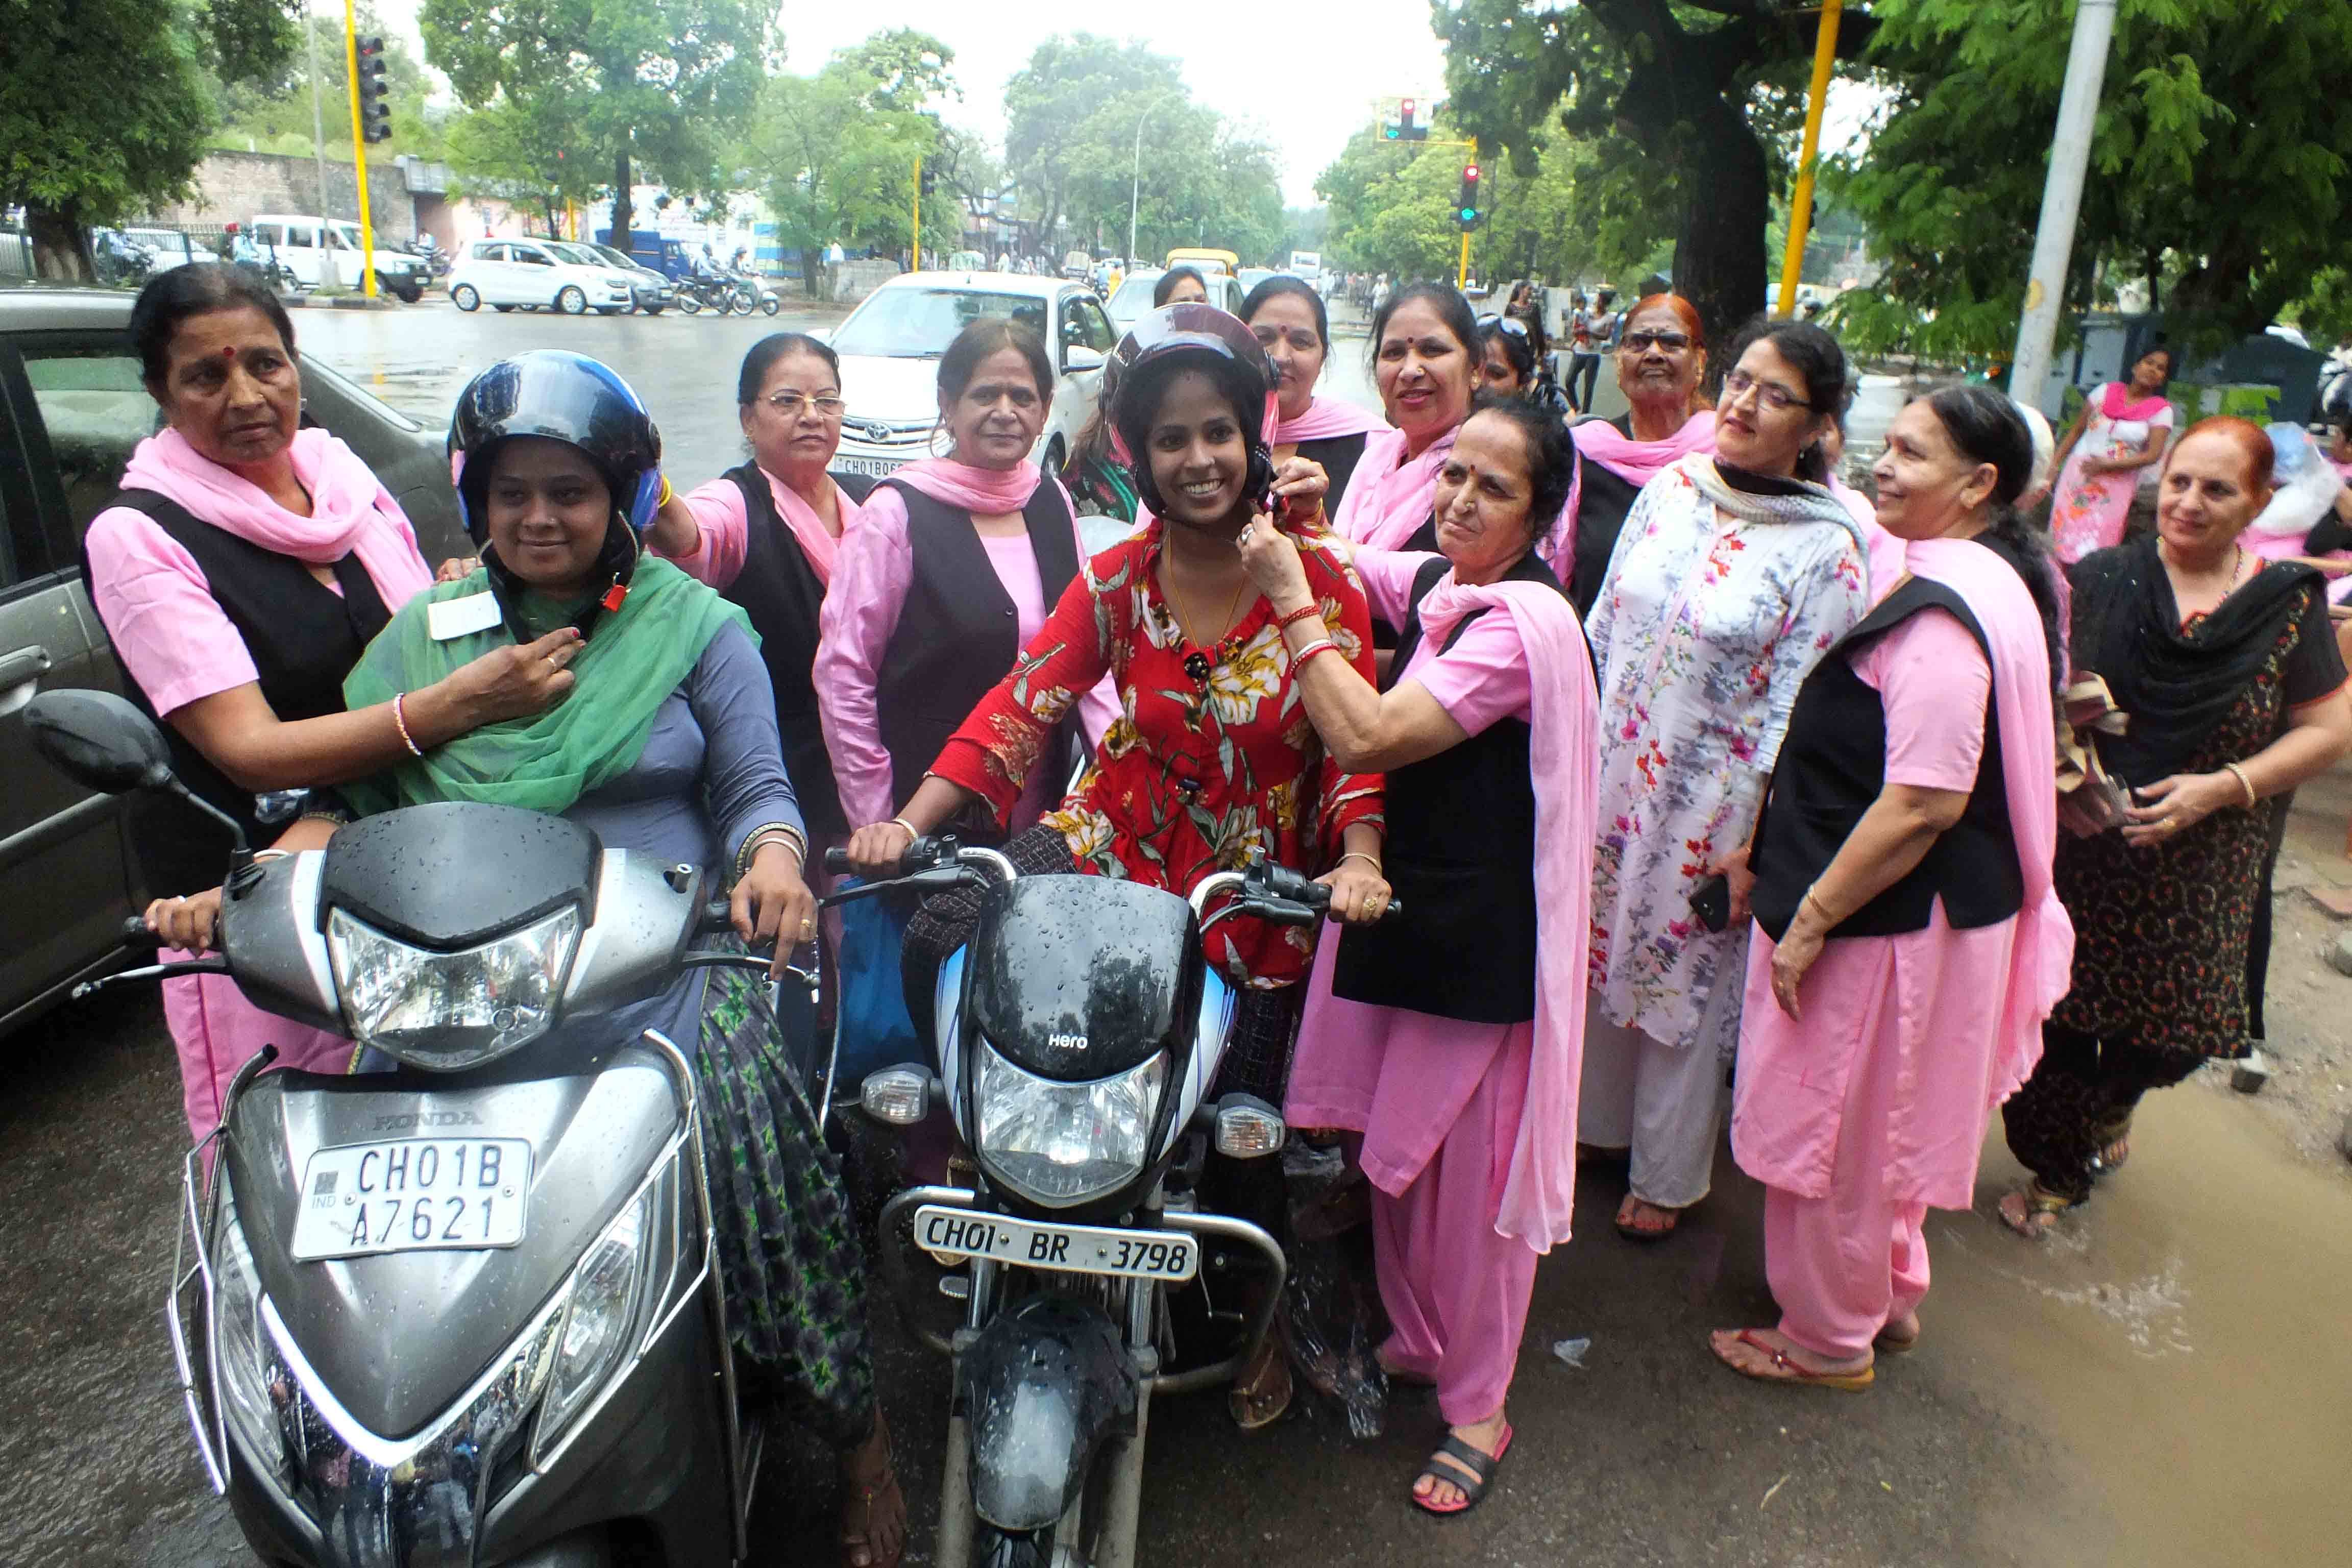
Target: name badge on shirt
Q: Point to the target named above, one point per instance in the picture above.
(448, 618)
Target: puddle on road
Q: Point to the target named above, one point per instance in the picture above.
(2178, 1346)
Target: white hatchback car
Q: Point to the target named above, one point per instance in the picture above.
(534, 275)
(890, 347)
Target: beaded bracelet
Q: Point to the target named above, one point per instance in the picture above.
(400, 722)
(1283, 622)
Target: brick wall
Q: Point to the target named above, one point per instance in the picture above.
(231, 187)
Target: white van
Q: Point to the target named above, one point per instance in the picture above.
(308, 246)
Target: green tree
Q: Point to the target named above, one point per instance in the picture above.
(1052, 105)
(1688, 106)
(1199, 180)
(840, 148)
(2218, 167)
(612, 85)
(105, 106)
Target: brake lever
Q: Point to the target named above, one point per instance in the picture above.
(212, 963)
(938, 878)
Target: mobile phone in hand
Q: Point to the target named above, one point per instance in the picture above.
(1711, 902)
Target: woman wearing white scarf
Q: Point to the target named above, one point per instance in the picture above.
(1732, 576)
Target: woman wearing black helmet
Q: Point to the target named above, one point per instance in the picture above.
(1208, 736)
(667, 747)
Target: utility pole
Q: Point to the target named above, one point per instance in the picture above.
(1135, 179)
(359, 152)
(915, 250)
(2062, 198)
(1800, 206)
(318, 112)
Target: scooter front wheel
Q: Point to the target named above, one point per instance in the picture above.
(994, 1548)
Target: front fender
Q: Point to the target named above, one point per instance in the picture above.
(1039, 1387)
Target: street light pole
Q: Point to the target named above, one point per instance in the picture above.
(1135, 186)
(2062, 198)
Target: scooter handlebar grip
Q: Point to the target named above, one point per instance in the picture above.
(135, 935)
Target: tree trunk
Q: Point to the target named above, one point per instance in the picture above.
(624, 211)
(60, 244)
(1719, 264)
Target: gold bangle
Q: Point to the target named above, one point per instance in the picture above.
(902, 822)
(1359, 855)
(2244, 783)
(1821, 909)
(783, 833)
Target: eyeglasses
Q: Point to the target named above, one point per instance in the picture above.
(790, 404)
(1777, 398)
(1642, 343)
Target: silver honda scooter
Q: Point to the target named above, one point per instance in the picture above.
(464, 1312)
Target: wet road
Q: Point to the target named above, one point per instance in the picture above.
(2165, 1385)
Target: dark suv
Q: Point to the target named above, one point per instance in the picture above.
(71, 408)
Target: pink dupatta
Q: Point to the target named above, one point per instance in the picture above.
(2041, 960)
(990, 492)
(2116, 402)
(1540, 1192)
(1326, 418)
(1391, 494)
(1639, 462)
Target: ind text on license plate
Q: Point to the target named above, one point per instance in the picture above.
(1080, 1248)
(413, 1195)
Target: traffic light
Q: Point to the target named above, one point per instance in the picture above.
(1412, 121)
(1391, 123)
(1472, 212)
(375, 114)
(930, 178)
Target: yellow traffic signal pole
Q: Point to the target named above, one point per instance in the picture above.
(1462, 273)
(359, 149)
(1801, 206)
(915, 251)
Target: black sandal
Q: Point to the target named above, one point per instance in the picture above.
(1473, 1486)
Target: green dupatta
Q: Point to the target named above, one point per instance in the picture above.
(638, 657)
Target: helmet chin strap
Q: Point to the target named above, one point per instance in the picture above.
(616, 564)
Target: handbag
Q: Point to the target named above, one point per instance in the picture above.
(2089, 711)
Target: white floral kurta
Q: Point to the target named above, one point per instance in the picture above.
(1704, 630)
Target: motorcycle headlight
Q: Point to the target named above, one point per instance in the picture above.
(1064, 1143)
(603, 1322)
(446, 1011)
(248, 1359)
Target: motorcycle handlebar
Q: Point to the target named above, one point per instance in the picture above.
(135, 936)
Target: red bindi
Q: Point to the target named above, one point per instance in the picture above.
(230, 352)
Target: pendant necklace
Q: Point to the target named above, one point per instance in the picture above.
(1200, 661)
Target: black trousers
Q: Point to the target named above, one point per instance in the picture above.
(2080, 1099)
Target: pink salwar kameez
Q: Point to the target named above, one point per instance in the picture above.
(1467, 1128)
(1873, 1108)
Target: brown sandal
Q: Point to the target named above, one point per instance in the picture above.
(1261, 1400)
(1787, 1371)
(2037, 1210)
(870, 1496)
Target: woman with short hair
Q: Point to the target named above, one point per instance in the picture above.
(2234, 691)
(1179, 285)
(1661, 367)
(1732, 577)
(1911, 943)
(1459, 1077)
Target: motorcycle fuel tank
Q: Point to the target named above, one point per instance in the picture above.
(1079, 978)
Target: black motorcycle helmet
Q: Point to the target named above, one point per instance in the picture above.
(1189, 336)
(571, 398)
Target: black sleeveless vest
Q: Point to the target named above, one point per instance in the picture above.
(303, 638)
(779, 590)
(1832, 765)
(1338, 454)
(958, 632)
(1461, 852)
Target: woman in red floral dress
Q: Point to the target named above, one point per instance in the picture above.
(1212, 756)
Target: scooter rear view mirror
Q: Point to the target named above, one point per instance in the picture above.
(98, 741)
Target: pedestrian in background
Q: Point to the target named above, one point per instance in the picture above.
(1425, 364)
(946, 573)
(766, 534)
(1734, 574)
(1584, 328)
(239, 572)
(1661, 365)
(1455, 1062)
(1179, 284)
(2234, 688)
(1910, 942)
(1291, 325)
(2115, 447)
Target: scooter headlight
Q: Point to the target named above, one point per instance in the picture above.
(604, 1323)
(448, 1011)
(248, 1362)
(1064, 1143)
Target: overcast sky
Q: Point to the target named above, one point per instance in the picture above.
(1306, 74)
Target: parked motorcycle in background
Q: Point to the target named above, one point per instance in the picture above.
(1078, 1030)
(466, 1311)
